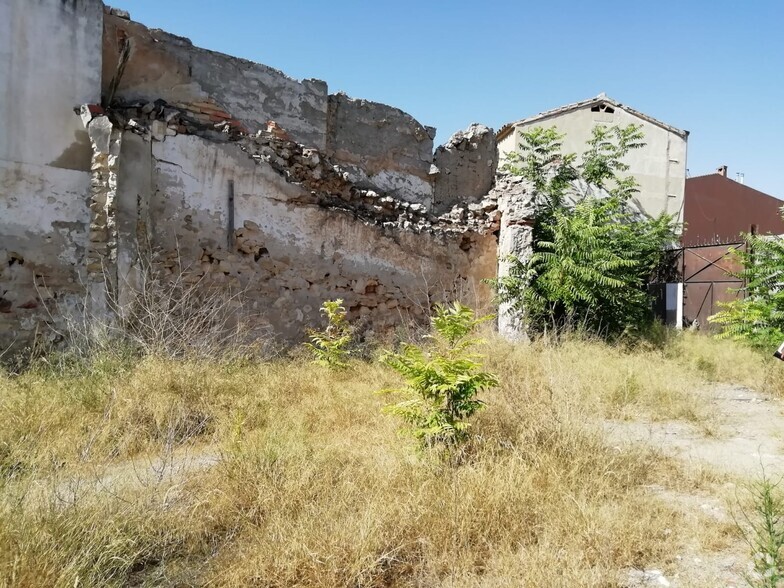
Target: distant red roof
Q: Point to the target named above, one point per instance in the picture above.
(718, 210)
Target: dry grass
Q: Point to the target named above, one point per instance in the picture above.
(727, 361)
(615, 382)
(314, 487)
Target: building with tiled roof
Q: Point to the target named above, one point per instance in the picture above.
(659, 167)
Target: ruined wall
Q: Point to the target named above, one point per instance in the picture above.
(145, 152)
(466, 166)
(164, 66)
(274, 220)
(50, 62)
(381, 147)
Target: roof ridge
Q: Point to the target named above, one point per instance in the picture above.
(601, 97)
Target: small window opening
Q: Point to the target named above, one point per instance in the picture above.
(603, 108)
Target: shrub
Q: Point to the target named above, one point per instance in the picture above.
(758, 317)
(330, 346)
(765, 534)
(443, 380)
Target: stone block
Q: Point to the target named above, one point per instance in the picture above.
(100, 131)
(158, 129)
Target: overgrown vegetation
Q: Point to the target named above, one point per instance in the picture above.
(443, 380)
(180, 471)
(330, 346)
(594, 254)
(763, 529)
(161, 309)
(756, 317)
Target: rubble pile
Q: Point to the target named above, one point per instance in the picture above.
(330, 186)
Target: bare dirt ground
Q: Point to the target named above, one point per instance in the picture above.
(741, 441)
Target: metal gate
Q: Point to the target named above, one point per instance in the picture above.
(707, 279)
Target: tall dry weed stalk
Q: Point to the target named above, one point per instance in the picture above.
(155, 312)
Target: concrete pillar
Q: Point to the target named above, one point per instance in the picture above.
(102, 237)
(516, 240)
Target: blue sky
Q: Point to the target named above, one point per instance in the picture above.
(714, 68)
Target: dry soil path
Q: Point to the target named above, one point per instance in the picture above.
(743, 440)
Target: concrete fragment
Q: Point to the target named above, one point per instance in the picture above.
(100, 131)
(158, 129)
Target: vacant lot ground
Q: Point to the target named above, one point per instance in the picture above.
(591, 466)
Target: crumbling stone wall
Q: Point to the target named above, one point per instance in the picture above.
(164, 66)
(284, 224)
(381, 148)
(466, 166)
(218, 171)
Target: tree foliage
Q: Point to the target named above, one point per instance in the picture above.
(442, 379)
(593, 252)
(757, 317)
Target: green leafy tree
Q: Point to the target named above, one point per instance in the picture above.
(756, 318)
(443, 379)
(330, 346)
(541, 162)
(593, 253)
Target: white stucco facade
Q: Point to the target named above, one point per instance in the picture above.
(659, 167)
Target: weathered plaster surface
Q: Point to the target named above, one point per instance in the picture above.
(289, 253)
(43, 237)
(224, 173)
(162, 65)
(466, 164)
(659, 167)
(50, 62)
(381, 147)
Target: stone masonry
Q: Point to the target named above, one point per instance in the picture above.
(223, 172)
